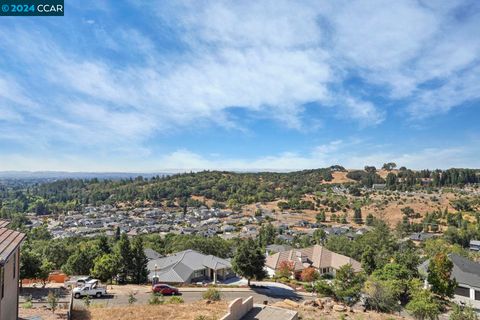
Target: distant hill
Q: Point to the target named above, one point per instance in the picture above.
(54, 175)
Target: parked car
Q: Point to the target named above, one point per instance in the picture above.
(78, 282)
(91, 288)
(164, 289)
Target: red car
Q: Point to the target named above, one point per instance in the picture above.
(164, 289)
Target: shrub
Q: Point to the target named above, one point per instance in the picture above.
(212, 294)
(176, 300)
(131, 298)
(87, 301)
(463, 313)
(155, 299)
(52, 300)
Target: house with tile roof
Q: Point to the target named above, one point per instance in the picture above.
(10, 241)
(189, 266)
(318, 257)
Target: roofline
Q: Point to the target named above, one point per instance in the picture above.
(4, 260)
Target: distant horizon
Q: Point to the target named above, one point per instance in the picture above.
(248, 86)
(3, 173)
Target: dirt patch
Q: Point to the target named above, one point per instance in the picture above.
(311, 312)
(339, 177)
(153, 312)
(41, 313)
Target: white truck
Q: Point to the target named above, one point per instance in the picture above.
(78, 281)
(91, 288)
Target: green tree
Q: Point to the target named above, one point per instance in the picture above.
(439, 275)
(381, 296)
(391, 181)
(345, 288)
(57, 252)
(30, 263)
(139, 262)
(370, 220)
(368, 260)
(45, 268)
(357, 215)
(124, 252)
(320, 217)
(103, 244)
(319, 236)
(81, 261)
(106, 267)
(347, 284)
(389, 166)
(249, 261)
(424, 305)
(266, 235)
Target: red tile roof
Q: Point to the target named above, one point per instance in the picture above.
(315, 256)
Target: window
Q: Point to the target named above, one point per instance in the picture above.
(462, 291)
(198, 273)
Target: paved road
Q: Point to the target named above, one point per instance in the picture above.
(260, 295)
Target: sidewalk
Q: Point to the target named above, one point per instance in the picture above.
(222, 289)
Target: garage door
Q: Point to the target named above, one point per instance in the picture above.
(462, 291)
(477, 295)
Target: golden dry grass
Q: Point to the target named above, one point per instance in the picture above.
(310, 313)
(187, 311)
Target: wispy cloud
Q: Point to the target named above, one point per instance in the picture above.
(93, 84)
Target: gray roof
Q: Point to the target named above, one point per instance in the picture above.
(464, 270)
(152, 254)
(475, 242)
(180, 266)
(274, 248)
(421, 236)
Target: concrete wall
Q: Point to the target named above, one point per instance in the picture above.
(9, 302)
(238, 308)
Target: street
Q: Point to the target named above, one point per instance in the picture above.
(269, 294)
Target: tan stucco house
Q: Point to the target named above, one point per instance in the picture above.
(9, 271)
(318, 257)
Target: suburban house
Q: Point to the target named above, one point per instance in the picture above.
(9, 271)
(422, 236)
(189, 266)
(318, 257)
(467, 275)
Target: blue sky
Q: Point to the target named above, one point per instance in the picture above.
(243, 85)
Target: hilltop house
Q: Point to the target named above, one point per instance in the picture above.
(318, 257)
(465, 272)
(9, 271)
(189, 266)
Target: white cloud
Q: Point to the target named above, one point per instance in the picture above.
(268, 58)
